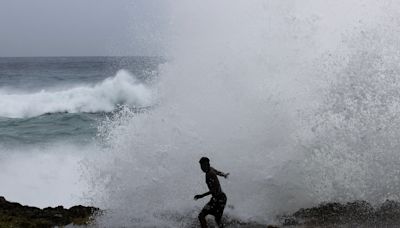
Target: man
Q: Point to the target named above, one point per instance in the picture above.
(218, 200)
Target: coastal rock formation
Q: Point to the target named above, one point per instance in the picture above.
(351, 213)
(17, 215)
(332, 214)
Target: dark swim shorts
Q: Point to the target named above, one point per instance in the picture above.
(216, 205)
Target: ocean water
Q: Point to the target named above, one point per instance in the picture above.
(61, 98)
(50, 109)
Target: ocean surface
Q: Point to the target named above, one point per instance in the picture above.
(43, 100)
(50, 110)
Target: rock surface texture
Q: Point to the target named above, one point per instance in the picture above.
(355, 214)
(17, 215)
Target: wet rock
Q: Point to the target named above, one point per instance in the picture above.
(389, 212)
(352, 213)
(17, 215)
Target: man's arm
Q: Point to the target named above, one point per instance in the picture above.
(219, 173)
(196, 197)
(213, 186)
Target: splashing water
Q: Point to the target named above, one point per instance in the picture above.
(298, 104)
(122, 89)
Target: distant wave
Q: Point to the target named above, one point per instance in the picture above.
(122, 89)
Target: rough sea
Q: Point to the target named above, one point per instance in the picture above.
(298, 101)
(50, 110)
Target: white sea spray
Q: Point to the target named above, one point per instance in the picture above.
(289, 97)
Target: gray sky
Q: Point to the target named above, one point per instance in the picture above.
(80, 27)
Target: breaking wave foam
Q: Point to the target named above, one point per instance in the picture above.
(122, 89)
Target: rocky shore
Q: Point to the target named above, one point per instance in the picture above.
(351, 214)
(16, 215)
(333, 214)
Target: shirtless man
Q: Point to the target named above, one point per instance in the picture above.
(218, 200)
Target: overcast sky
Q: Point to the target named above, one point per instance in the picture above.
(80, 27)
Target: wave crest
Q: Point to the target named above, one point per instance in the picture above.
(122, 89)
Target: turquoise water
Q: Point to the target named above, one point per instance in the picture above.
(43, 100)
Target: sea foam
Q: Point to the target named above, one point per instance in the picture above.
(122, 89)
(43, 176)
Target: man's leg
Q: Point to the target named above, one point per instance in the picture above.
(220, 210)
(218, 220)
(202, 219)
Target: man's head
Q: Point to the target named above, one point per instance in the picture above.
(205, 164)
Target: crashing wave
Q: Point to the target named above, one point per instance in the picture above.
(122, 89)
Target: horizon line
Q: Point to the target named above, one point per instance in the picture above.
(84, 56)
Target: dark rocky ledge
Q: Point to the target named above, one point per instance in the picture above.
(353, 214)
(17, 215)
(333, 214)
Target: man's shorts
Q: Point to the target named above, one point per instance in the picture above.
(216, 205)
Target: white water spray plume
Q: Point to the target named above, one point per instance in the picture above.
(298, 100)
